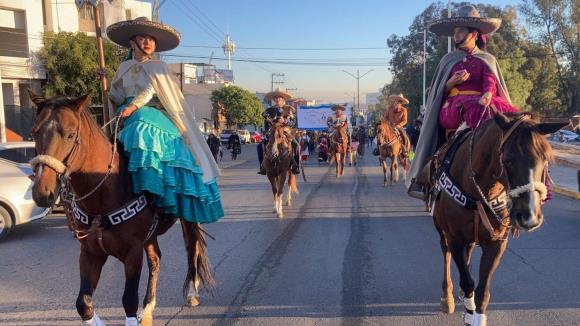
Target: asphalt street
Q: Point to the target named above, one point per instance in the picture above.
(348, 252)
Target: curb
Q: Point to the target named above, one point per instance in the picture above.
(566, 192)
(566, 162)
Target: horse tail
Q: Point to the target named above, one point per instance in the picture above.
(198, 266)
(292, 184)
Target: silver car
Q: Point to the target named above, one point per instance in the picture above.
(16, 204)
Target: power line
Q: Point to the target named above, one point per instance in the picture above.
(290, 49)
(207, 18)
(196, 22)
(285, 62)
(209, 28)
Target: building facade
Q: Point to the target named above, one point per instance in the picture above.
(22, 26)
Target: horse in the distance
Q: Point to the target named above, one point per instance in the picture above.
(77, 162)
(390, 147)
(339, 148)
(490, 182)
(277, 163)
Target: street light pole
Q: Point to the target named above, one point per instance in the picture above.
(424, 64)
(357, 77)
(448, 16)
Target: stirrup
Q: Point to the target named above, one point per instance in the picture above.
(417, 191)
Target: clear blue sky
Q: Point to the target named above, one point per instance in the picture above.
(297, 24)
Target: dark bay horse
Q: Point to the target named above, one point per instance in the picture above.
(78, 162)
(500, 168)
(391, 147)
(339, 148)
(277, 161)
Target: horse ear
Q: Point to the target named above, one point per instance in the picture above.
(38, 100)
(81, 102)
(502, 120)
(552, 125)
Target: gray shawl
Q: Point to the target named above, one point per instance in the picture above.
(428, 138)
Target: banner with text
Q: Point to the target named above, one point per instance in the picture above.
(314, 117)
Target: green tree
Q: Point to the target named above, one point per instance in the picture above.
(242, 107)
(71, 61)
(556, 24)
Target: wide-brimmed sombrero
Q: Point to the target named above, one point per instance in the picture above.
(337, 107)
(166, 37)
(399, 97)
(466, 16)
(275, 93)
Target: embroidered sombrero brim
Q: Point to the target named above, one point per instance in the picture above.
(166, 37)
(445, 26)
(338, 107)
(276, 93)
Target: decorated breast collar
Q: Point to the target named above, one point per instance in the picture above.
(447, 184)
(114, 218)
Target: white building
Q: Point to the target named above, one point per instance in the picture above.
(22, 25)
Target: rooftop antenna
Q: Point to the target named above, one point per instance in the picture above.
(229, 48)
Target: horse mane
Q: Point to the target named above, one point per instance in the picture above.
(527, 136)
(62, 102)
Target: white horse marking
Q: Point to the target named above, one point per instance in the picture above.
(479, 320)
(469, 303)
(95, 321)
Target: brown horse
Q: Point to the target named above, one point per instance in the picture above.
(391, 147)
(339, 148)
(277, 162)
(77, 162)
(500, 169)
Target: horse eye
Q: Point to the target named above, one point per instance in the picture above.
(71, 136)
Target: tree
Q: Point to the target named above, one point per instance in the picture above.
(242, 107)
(71, 61)
(556, 24)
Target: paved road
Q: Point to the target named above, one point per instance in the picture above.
(349, 252)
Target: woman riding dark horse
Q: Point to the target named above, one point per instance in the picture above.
(466, 83)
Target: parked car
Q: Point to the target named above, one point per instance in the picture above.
(256, 137)
(565, 136)
(16, 204)
(245, 136)
(225, 135)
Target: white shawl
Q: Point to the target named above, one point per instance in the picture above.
(178, 111)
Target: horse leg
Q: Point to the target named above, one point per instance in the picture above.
(459, 253)
(394, 170)
(343, 155)
(490, 259)
(289, 198)
(198, 270)
(384, 165)
(90, 270)
(447, 299)
(153, 253)
(133, 263)
(273, 183)
(281, 181)
(337, 159)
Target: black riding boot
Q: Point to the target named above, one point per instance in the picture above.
(295, 157)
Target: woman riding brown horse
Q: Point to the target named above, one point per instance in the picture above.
(77, 159)
(390, 146)
(482, 193)
(277, 163)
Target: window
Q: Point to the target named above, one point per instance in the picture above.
(18, 155)
(13, 33)
(86, 12)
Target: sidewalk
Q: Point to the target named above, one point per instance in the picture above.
(564, 172)
(248, 153)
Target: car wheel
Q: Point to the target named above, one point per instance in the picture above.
(5, 223)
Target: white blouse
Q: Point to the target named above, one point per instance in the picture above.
(134, 83)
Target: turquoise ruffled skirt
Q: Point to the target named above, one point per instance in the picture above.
(161, 164)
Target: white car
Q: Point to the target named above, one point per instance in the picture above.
(16, 204)
(245, 136)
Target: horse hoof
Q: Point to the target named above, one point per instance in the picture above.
(448, 305)
(281, 215)
(193, 301)
(274, 211)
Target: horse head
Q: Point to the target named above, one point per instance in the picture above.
(524, 155)
(56, 134)
(277, 143)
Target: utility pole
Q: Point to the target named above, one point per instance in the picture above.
(357, 77)
(278, 79)
(288, 90)
(448, 16)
